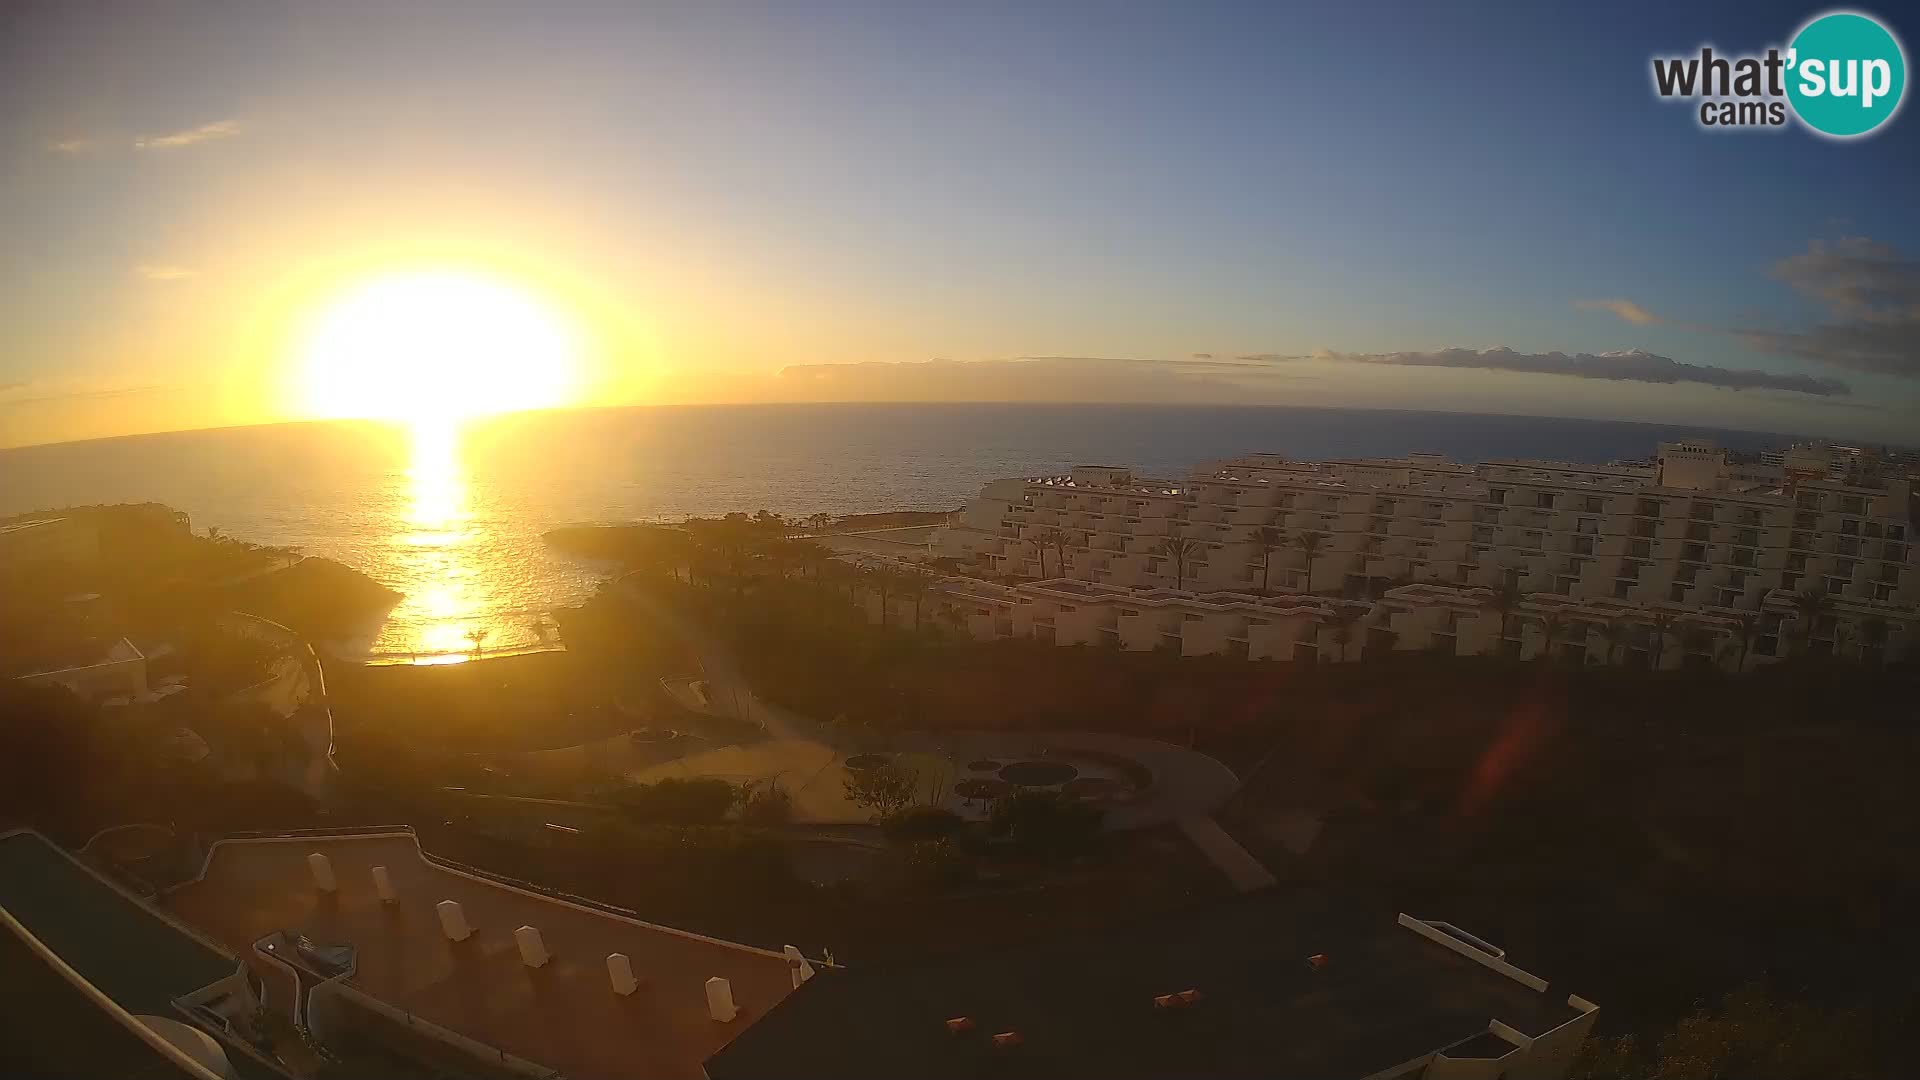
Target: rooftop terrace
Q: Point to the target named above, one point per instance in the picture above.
(1085, 1005)
(563, 1015)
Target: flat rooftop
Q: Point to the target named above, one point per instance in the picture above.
(564, 1015)
(114, 942)
(49, 1029)
(1084, 1005)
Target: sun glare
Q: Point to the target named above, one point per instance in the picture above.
(436, 347)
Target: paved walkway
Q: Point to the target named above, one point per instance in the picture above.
(807, 754)
(1241, 868)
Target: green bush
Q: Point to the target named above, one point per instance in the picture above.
(938, 864)
(1045, 823)
(702, 801)
(923, 823)
(767, 807)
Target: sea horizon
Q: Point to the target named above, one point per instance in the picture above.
(456, 524)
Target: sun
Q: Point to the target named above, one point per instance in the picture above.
(435, 347)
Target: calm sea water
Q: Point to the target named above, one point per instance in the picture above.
(453, 520)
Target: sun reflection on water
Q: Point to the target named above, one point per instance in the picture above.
(447, 597)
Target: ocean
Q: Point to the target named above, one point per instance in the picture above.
(453, 519)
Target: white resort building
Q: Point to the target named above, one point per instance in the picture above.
(1687, 559)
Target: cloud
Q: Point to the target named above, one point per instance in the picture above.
(73, 146)
(42, 393)
(1871, 293)
(1624, 310)
(218, 129)
(1633, 365)
(164, 272)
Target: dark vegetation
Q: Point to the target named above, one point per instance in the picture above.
(1653, 840)
(156, 572)
(70, 769)
(1649, 840)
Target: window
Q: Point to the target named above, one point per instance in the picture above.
(1800, 540)
(1747, 538)
(1640, 549)
(1594, 504)
(1589, 526)
(1883, 592)
(1583, 545)
(1697, 531)
(1644, 527)
(1853, 504)
(1677, 594)
(1648, 508)
(1694, 553)
(1896, 532)
(1797, 563)
(1849, 527)
(1808, 500)
(1806, 521)
(1727, 598)
(1620, 589)
(1889, 572)
(1701, 511)
(1497, 495)
(1790, 582)
(1543, 500)
(1749, 517)
(1743, 556)
(1844, 567)
(1835, 585)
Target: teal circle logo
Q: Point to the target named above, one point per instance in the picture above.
(1846, 74)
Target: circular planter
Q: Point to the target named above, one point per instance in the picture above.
(982, 789)
(1038, 773)
(863, 762)
(1093, 787)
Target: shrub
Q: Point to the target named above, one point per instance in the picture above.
(701, 801)
(917, 823)
(938, 864)
(1045, 823)
(767, 807)
(885, 790)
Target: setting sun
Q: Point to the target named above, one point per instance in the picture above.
(434, 347)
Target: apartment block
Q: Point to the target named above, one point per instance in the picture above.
(1687, 534)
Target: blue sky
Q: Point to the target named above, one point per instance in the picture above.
(732, 192)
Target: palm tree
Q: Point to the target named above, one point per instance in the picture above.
(1808, 606)
(1662, 623)
(1266, 540)
(1042, 539)
(955, 618)
(1552, 626)
(1343, 631)
(1309, 543)
(914, 587)
(1615, 633)
(819, 522)
(880, 577)
(1746, 627)
(1873, 639)
(1843, 638)
(1180, 551)
(1506, 599)
(477, 635)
